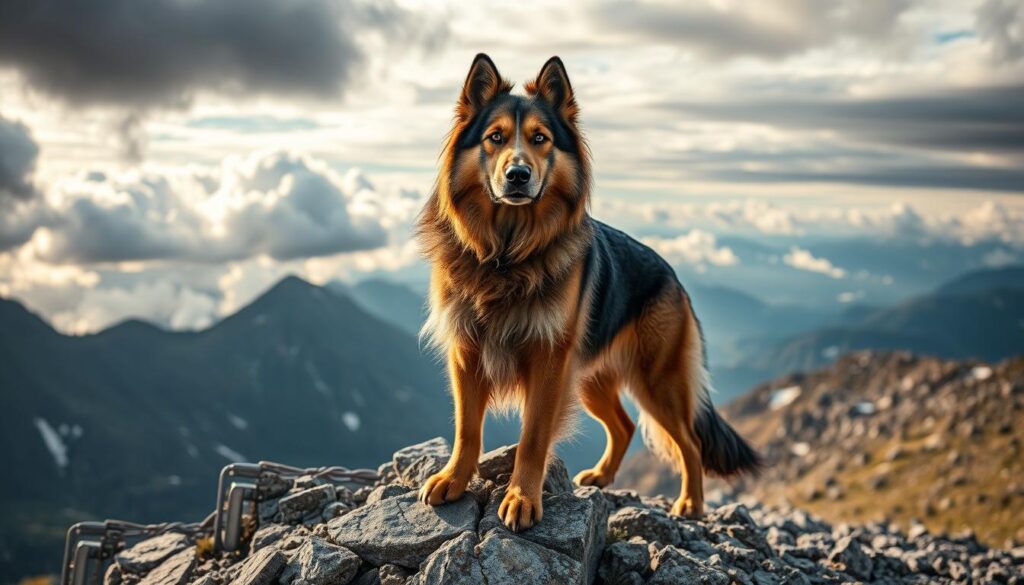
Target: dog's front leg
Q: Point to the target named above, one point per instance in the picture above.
(470, 392)
(546, 396)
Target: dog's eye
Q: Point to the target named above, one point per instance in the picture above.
(538, 138)
(495, 137)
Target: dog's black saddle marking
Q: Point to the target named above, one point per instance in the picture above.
(621, 276)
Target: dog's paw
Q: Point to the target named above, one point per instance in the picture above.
(688, 508)
(593, 477)
(519, 511)
(442, 487)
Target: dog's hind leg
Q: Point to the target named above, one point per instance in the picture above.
(667, 380)
(600, 396)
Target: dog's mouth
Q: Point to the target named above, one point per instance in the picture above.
(517, 198)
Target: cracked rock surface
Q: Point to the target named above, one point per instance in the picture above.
(317, 534)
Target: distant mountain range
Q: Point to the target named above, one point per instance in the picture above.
(135, 422)
(978, 315)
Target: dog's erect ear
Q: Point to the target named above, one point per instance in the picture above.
(553, 86)
(482, 84)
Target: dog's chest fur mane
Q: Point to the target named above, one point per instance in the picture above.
(503, 308)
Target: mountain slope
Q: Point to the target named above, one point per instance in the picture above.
(388, 301)
(963, 319)
(884, 436)
(1010, 277)
(99, 426)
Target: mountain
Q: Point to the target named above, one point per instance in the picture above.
(979, 315)
(1010, 277)
(884, 437)
(388, 301)
(134, 422)
(728, 316)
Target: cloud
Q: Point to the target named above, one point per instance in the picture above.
(281, 205)
(695, 247)
(21, 211)
(803, 260)
(160, 302)
(989, 220)
(766, 29)
(18, 153)
(132, 137)
(759, 215)
(981, 118)
(1001, 24)
(162, 52)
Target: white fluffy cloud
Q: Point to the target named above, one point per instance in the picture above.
(160, 302)
(280, 205)
(803, 260)
(696, 247)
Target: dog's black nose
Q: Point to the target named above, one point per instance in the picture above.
(518, 174)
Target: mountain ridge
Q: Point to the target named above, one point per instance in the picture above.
(193, 402)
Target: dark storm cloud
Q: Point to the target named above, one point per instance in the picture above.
(768, 29)
(980, 119)
(160, 52)
(18, 152)
(21, 211)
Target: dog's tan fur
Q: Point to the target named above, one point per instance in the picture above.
(508, 309)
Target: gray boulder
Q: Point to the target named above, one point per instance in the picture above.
(386, 491)
(146, 555)
(650, 524)
(574, 524)
(401, 530)
(500, 559)
(318, 562)
(673, 566)
(176, 570)
(295, 507)
(499, 462)
(454, 563)
(262, 568)
(508, 560)
(847, 556)
(415, 463)
(620, 559)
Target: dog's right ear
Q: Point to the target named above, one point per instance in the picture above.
(482, 85)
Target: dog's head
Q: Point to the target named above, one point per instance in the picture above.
(515, 172)
(520, 149)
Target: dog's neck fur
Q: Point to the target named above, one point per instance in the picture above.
(504, 261)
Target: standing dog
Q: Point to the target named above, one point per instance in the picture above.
(537, 305)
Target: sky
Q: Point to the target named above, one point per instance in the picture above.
(170, 159)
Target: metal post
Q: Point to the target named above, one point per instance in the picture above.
(78, 550)
(220, 523)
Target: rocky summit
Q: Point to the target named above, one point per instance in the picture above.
(316, 533)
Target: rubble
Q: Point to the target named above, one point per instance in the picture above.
(385, 536)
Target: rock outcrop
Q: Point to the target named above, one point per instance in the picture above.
(319, 534)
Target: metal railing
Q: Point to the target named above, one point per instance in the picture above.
(90, 545)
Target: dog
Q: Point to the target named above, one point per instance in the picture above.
(536, 305)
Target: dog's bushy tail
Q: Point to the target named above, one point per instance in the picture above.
(723, 451)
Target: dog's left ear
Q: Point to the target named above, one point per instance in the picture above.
(553, 86)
